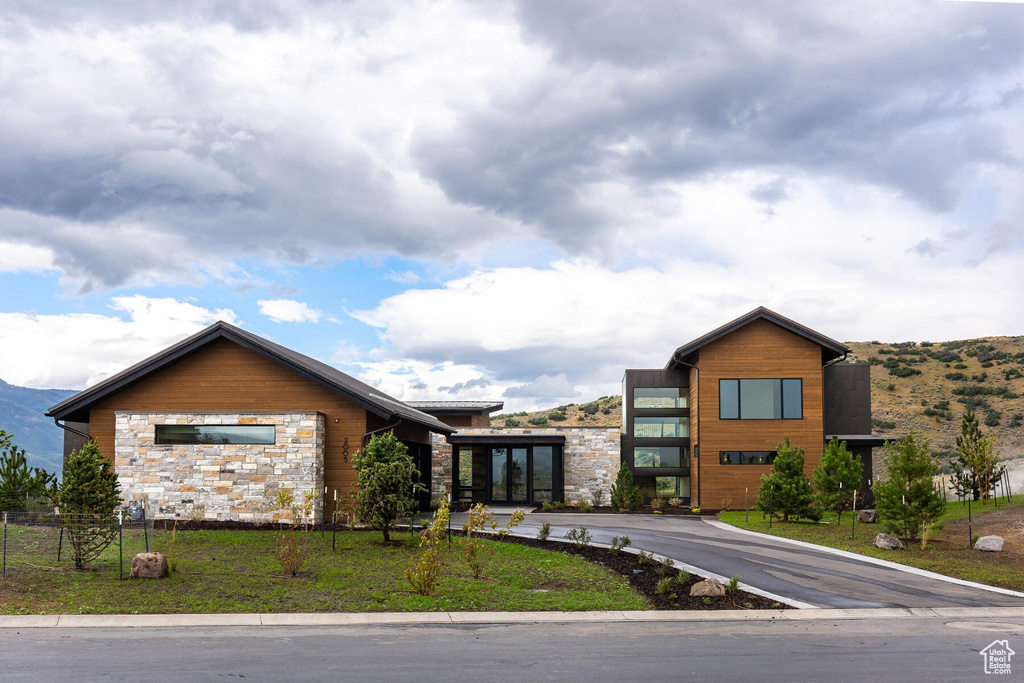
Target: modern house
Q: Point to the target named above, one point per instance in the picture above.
(705, 427)
(218, 422)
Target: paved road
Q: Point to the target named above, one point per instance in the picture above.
(812, 576)
(905, 649)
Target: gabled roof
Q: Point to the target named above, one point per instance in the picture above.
(76, 408)
(830, 348)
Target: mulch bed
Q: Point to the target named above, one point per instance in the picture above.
(669, 511)
(645, 579)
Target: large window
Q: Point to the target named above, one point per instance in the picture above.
(760, 399)
(660, 456)
(661, 427)
(212, 434)
(653, 397)
(746, 457)
(672, 487)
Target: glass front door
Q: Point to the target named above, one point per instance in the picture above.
(508, 475)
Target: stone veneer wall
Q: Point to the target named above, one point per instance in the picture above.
(590, 458)
(237, 482)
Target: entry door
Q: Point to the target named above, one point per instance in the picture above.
(509, 475)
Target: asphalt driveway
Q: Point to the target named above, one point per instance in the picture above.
(804, 575)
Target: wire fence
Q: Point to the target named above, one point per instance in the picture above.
(36, 541)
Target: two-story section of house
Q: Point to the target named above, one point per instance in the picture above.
(706, 426)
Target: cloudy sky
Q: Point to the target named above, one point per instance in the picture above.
(497, 199)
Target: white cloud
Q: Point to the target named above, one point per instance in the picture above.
(73, 351)
(15, 257)
(288, 311)
(404, 278)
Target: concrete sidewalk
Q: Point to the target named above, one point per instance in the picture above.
(456, 618)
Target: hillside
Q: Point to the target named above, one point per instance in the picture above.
(923, 387)
(22, 415)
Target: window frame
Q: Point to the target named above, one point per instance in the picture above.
(782, 394)
(158, 441)
(769, 458)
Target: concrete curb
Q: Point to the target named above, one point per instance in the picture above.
(866, 558)
(461, 618)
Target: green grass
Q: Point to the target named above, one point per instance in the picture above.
(237, 571)
(948, 550)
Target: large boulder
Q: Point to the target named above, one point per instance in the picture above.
(708, 588)
(888, 542)
(867, 516)
(149, 566)
(992, 544)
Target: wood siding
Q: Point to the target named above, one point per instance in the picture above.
(759, 350)
(226, 377)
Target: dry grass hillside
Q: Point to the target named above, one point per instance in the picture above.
(923, 386)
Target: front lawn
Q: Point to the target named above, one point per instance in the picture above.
(237, 571)
(947, 552)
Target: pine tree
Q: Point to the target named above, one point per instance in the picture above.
(786, 490)
(908, 498)
(626, 495)
(18, 481)
(837, 465)
(976, 470)
(87, 497)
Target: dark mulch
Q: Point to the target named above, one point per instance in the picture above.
(645, 579)
(670, 511)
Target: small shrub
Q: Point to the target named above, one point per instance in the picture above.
(682, 577)
(675, 502)
(544, 531)
(664, 586)
(546, 506)
(618, 543)
(734, 584)
(959, 366)
(598, 496)
(707, 601)
(591, 408)
(580, 537)
(626, 496)
(583, 505)
(559, 505)
(695, 511)
(539, 421)
(512, 422)
(425, 575)
(658, 504)
(644, 558)
(557, 416)
(666, 567)
(478, 551)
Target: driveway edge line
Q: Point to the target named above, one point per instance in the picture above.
(865, 558)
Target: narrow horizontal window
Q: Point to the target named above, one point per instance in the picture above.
(212, 434)
(746, 457)
(660, 397)
(660, 456)
(661, 427)
(760, 399)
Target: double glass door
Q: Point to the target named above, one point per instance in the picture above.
(508, 475)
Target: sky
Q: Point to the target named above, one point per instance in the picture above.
(502, 200)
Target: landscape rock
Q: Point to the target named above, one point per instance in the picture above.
(991, 544)
(149, 566)
(888, 542)
(867, 516)
(708, 588)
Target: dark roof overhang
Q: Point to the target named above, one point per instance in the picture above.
(868, 440)
(539, 439)
(457, 407)
(830, 348)
(76, 408)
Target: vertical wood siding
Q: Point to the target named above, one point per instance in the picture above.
(759, 350)
(227, 377)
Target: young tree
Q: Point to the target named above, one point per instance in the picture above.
(976, 471)
(786, 490)
(626, 495)
(87, 498)
(387, 482)
(838, 465)
(909, 495)
(18, 481)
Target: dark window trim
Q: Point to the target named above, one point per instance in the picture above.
(739, 398)
(769, 457)
(159, 442)
(558, 467)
